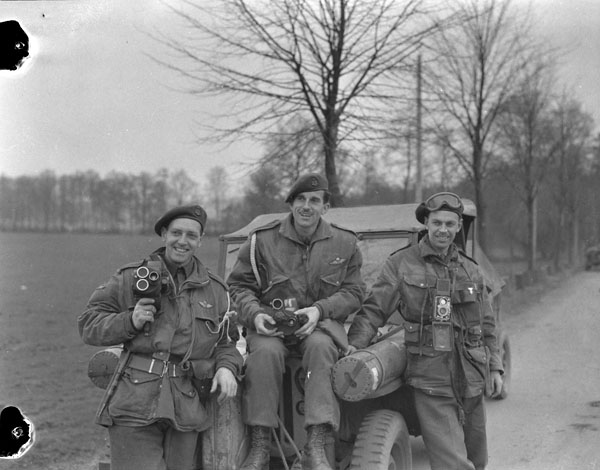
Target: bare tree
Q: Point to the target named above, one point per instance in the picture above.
(337, 61)
(217, 193)
(528, 136)
(573, 130)
(182, 188)
(471, 71)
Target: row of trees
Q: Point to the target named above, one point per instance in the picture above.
(346, 69)
(568, 217)
(382, 96)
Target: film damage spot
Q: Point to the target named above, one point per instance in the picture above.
(14, 45)
(16, 433)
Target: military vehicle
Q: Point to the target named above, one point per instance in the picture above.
(370, 437)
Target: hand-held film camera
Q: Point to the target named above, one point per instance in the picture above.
(286, 320)
(442, 310)
(149, 283)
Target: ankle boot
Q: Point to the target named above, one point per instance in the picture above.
(260, 449)
(315, 455)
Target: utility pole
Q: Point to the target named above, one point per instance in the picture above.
(419, 184)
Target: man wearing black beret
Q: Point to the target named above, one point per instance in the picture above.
(450, 334)
(172, 317)
(311, 267)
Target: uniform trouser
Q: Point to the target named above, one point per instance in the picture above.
(154, 447)
(265, 366)
(450, 444)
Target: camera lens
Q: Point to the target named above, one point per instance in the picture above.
(142, 272)
(142, 285)
(153, 276)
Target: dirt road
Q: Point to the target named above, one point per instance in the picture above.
(551, 419)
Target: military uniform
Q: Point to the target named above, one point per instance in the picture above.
(448, 385)
(326, 274)
(187, 341)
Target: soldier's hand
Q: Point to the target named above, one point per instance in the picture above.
(224, 380)
(497, 383)
(260, 322)
(314, 315)
(143, 311)
(351, 349)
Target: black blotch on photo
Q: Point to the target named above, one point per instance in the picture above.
(15, 432)
(14, 45)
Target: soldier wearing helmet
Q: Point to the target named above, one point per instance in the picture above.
(450, 335)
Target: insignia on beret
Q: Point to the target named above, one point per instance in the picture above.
(314, 182)
(198, 211)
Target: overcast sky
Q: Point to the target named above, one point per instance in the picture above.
(89, 98)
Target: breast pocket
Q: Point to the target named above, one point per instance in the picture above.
(279, 287)
(416, 301)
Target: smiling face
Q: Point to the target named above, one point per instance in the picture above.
(182, 238)
(442, 227)
(307, 209)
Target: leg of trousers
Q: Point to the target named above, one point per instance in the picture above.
(475, 433)
(265, 366)
(449, 445)
(319, 355)
(154, 447)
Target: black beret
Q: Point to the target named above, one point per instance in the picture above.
(307, 183)
(194, 212)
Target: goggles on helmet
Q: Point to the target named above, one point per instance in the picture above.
(440, 200)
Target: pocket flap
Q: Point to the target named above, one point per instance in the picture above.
(139, 376)
(203, 368)
(477, 355)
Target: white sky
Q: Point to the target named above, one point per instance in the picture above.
(90, 99)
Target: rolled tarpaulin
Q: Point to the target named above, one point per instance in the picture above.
(366, 372)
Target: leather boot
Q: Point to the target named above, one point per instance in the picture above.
(315, 455)
(260, 449)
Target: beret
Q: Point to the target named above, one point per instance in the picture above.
(307, 183)
(194, 212)
(443, 201)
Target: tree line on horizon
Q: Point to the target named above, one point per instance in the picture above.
(390, 100)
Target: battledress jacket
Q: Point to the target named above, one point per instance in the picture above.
(325, 273)
(189, 324)
(407, 284)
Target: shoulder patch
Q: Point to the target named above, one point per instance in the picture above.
(218, 279)
(132, 265)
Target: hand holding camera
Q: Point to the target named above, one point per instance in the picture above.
(143, 313)
(147, 290)
(286, 321)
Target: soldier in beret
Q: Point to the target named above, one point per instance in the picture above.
(172, 317)
(313, 266)
(450, 334)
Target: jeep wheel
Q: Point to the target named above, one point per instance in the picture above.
(382, 443)
(506, 364)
